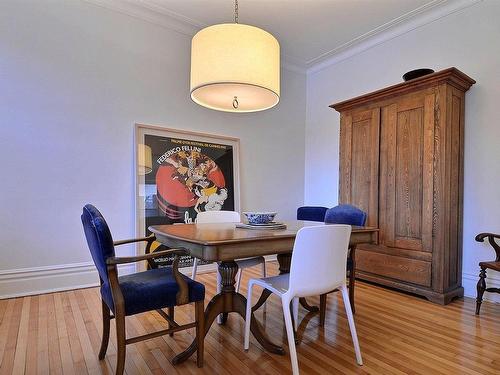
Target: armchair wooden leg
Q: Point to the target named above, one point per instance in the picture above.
(352, 282)
(322, 310)
(171, 313)
(481, 287)
(200, 331)
(120, 342)
(352, 276)
(105, 330)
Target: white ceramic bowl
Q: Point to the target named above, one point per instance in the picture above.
(260, 217)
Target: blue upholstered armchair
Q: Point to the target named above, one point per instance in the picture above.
(139, 292)
(345, 214)
(311, 213)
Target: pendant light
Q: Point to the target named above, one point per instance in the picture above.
(235, 67)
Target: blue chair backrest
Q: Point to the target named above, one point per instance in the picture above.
(345, 214)
(311, 213)
(99, 239)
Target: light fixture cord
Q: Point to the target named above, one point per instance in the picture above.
(235, 11)
(235, 99)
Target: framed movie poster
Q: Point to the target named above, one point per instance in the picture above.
(181, 173)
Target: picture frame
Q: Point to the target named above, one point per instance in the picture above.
(180, 173)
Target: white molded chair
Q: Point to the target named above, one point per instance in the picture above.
(208, 217)
(318, 266)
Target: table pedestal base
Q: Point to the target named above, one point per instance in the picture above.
(226, 302)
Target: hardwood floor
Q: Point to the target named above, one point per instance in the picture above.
(59, 333)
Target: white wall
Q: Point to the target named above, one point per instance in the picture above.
(469, 40)
(74, 78)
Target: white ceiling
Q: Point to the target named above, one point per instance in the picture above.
(309, 31)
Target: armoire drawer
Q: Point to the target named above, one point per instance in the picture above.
(400, 268)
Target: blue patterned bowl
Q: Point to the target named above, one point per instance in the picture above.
(260, 217)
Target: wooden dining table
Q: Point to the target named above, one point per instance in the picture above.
(224, 243)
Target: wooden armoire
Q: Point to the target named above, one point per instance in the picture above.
(401, 161)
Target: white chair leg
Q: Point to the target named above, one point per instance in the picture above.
(290, 335)
(352, 327)
(238, 280)
(248, 316)
(219, 288)
(264, 275)
(195, 268)
(295, 307)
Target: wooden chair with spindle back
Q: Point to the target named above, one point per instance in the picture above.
(493, 265)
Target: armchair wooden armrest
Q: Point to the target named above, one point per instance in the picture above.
(138, 258)
(481, 236)
(148, 239)
(182, 296)
(491, 239)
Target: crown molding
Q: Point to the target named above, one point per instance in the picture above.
(419, 17)
(176, 22)
(293, 64)
(154, 15)
(379, 29)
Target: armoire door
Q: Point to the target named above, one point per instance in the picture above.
(406, 173)
(359, 153)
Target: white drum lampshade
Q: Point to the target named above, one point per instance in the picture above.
(144, 159)
(235, 68)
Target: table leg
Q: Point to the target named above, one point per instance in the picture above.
(352, 276)
(262, 299)
(223, 318)
(307, 306)
(285, 261)
(228, 274)
(225, 302)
